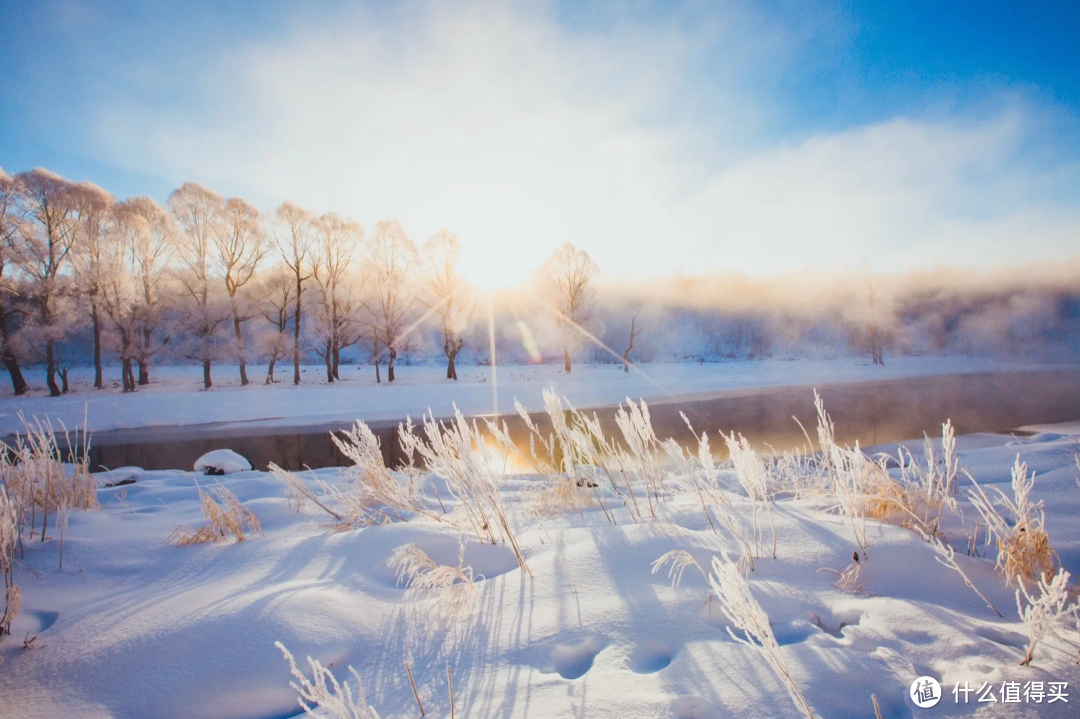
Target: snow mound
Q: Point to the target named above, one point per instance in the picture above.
(222, 461)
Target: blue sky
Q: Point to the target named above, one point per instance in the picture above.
(742, 134)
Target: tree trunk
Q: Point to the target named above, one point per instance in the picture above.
(391, 361)
(18, 382)
(626, 361)
(98, 383)
(451, 366)
(378, 377)
(127, 375)
(337, 359)
(296, 334)
(240, 350)
(206, 381)
(270, 372)
(328, 355)
(144, 360)
(50, 369)
(566, 360)
(64, 380)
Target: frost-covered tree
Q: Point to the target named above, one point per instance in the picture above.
(390, 300)
(877, 336)
(635, 330)
(295, 239)
(148, 239)
(240, 246)
(10, 219)
(94, 209)
(197, 211)
(569, 273)
(337, 241)
(119, 291)
(48, 239)
(447, 294)
(276, 306)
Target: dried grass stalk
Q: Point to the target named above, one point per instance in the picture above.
(733, 590)
(1045, 613)
(323, 695)
(226, 517)
(452, 588)
(1018, 526)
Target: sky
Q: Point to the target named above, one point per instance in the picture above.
(664, 138)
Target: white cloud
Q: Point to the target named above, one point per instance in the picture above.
(520, 134)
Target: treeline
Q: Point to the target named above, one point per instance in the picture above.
(207, 278)
(85, 277)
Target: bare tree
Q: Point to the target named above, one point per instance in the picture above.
(119, 290)
(635, 330)
(48, 239)
(877, 340)
(295, 245)
(390, 301)
(448, 294)
(197, 211)
(337, 240)
(277, 308)
(10, 219)
(94, 209)
(149, 242)
(569, 273)
(240, 245)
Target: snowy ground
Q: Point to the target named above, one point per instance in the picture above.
(134, 628)
(175, 396)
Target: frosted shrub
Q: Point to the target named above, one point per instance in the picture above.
(1045, 613)
(1018, 525)
(325, 693)
(452, 588)
(733, 590)
(225, 515)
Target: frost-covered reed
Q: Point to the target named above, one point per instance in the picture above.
(323, 695)
(1018, 525)
(453, 589)
(473, 471)
(731, 587)
(226, 517)
(1045, 612)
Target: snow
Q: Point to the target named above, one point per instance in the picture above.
(222, 461)
(133, 627)
(175, 397)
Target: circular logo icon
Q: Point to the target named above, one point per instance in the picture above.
(925, 692)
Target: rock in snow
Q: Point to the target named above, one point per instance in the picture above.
(222, 461)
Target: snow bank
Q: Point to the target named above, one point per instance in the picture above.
(138, 628)
(222, 461)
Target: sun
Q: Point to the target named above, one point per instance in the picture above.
(495, 270)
